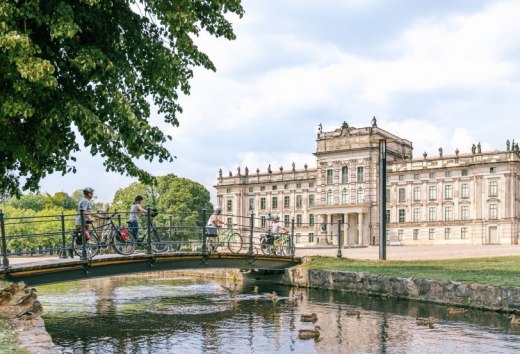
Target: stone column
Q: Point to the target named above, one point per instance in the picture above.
(360, 229)
(346, 230)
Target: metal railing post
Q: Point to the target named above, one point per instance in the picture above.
(292, 249)
(149, 227)
(83, 236)
(251, 226)
(5, 260)
(118, 219)
(339, 239)
(63, 241)
(204, 211)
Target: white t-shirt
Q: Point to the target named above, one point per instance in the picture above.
(213, 220)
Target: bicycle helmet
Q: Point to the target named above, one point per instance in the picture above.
(87, 190)
(138, 198)
(218, 209)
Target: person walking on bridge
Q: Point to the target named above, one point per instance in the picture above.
(136, 210)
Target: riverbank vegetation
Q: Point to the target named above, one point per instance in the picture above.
(492, 271)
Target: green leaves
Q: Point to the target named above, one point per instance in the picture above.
(89, 67)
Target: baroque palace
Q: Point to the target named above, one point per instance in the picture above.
(460, 198)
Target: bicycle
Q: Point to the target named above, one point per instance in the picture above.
(279, 244)
(159, 236)
(233, 240)
(104, 236)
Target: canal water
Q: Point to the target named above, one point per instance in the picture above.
(168, 314)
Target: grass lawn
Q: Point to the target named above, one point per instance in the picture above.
(491, 271)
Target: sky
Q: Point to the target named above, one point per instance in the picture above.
(438, 73)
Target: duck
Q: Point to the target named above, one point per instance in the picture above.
(34, 312)
(272, 296)
(27, 299)
(514, 320)
(255, 290)
(309, 333)
(306, 317)
(353, 313)
(457, 311)
(426, 321)
(5, 298)
(231, 292)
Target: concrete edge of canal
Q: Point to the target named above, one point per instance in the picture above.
(35, 339)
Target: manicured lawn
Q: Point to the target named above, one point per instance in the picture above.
(492, 271)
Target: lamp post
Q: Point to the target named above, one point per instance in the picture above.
(382, 199)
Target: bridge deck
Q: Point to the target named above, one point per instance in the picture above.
(62, 270)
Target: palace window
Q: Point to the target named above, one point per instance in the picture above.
(311, 199)
(274, 202)
(360, 195)
(311, 184)
(493, 211)
(432, 174)
(286, 202)
(416, 176)
(329, 176)
(415, 234)
(448, 213)
(344, 174)
(275, 188)
(401, 177)
(251, 189)
(229, 205)
(432, 192)
(298, 220)
(344, 196)
(416, 214)
(251, 203)
(311, 219)
(492, 170)
(262, 221)
(447, 174)
(447, 233)
(387, 216)
(262, 188)
(387, 195)
(298, 185)
(311, 237)
(493, 188)
(400, 234)
(464, 173)
(402, 194)
(228, 190)
(360, 174)
(431, 234)
(416, 194)
(263, 203)
(299, 201)
(432, 214)
(402, 215)
(464, 212)
(448, 191)
(329, 197)
(286, 220)
(464, 190)
(463, 232)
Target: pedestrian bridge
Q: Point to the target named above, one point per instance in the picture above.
(63, 270)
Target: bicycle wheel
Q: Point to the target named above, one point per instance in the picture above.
(159, 241)
(287, 250)
(235, 242)
(121, 245)
(91, 246)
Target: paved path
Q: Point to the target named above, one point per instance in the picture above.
(418, 252)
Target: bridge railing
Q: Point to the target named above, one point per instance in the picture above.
(52, 235)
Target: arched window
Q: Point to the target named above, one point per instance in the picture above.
(329, 197)
(344, 196)
(360, 195)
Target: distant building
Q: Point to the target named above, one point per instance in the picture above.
(466, 198)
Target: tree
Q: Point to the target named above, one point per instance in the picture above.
(172, 194)
(28, 201)
(92, 68)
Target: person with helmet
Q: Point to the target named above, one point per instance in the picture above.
(276, 228)
(86, 206)
(214, 223)
(136, 211)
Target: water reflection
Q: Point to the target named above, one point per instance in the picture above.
(168, 314)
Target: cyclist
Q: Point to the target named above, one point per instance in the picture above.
(136, 210)
(86, 206)
(214, 222)
(276, 228)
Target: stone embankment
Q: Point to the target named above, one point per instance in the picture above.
(496, 298)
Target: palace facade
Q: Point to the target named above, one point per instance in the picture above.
(461, 198)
